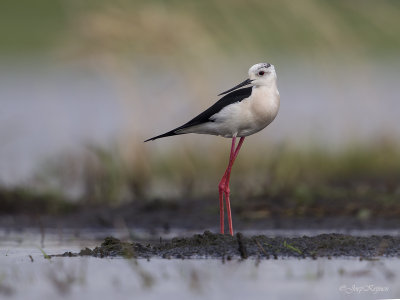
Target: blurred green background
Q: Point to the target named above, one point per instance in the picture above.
(83, 83)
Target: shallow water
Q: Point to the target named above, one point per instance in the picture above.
(25, 273)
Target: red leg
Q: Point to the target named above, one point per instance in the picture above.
(222, 187)
(238, 148)
(227, 178)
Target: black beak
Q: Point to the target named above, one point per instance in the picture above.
(246, 82)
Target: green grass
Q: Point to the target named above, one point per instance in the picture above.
(304, 182)
(27, 200)
(302, 174)
(189, 29)
(45, 255)
(291, 247)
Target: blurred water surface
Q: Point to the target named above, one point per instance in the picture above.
(48, 109)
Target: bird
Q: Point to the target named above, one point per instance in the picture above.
(243, 110)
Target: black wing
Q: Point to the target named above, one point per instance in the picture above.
(204, 117)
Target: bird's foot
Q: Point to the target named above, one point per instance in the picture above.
(228, 209)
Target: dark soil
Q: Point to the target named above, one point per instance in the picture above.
(210, 245)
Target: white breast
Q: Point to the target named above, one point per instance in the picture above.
(250, 115)
(243, 118)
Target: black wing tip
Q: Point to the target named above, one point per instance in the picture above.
(170, 133)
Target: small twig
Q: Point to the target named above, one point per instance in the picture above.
(261, 247)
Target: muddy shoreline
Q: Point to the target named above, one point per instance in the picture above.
(226, 247)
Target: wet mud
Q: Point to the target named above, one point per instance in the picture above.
(226, 247)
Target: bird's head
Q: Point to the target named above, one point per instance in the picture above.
(261, 74)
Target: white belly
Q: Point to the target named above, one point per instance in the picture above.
(243, 118)
(248, 116)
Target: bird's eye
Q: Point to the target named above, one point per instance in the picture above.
(261, 73)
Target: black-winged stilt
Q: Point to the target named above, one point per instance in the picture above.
(240, 113)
